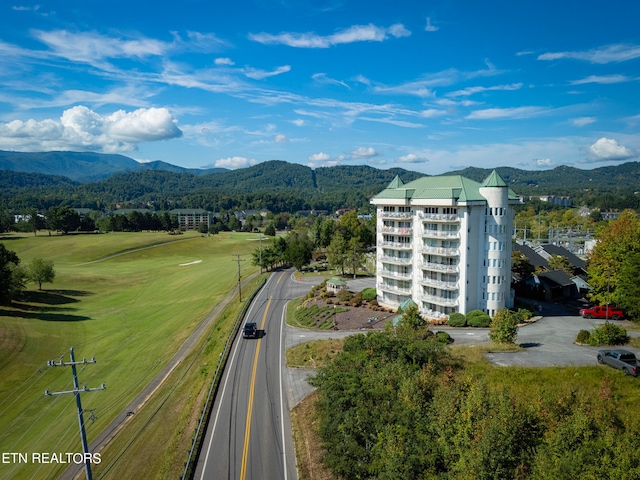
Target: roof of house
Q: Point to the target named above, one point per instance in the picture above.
(534, 259)
(455, 187)
(563, 252)
(555, 278)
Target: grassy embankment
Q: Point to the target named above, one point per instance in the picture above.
(132, 312)
(524, 384)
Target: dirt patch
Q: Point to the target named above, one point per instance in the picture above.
(349, 317)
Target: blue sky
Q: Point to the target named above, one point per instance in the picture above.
(429, 86)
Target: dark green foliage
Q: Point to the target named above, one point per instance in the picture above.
(608, 334)
(444, 337)
(628, 283)
(411, 318)
(11, 275)
(344, 295)
(457, 319)
(369, 294)
(584, 337)
(40, 271)
(524, 314)
(504, 327)
(479, 319)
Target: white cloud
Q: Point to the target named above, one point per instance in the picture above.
(319, 157)
(516, 112)
(234, 162)
(224, 61)
(356, 33)
(602, 55)
(280, 138)
(412, 158)
(82, 129)
(429, 27)
(323, 79)
(609, 149)
(257, 74)
(471, 90)
(602, 79)
(299, 122)
(364, 152)
(545, 162)
(432, 112)
(582, 121)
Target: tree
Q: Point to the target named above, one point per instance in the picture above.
(520, 264)
(411, 318)
(616, 242)
(630, 301)
(355, 254)
(559, 262)
(63, 219)
(504, 327)
(11, 275)
(40, 271)
(336, 252)
(299, 250)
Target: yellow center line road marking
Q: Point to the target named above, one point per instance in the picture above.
(247, 429)
(280, 277)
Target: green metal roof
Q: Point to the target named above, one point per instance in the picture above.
(442, 187)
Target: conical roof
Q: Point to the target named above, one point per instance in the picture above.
(494, 180)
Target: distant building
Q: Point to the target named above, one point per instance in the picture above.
(192, 219)
(445, 243)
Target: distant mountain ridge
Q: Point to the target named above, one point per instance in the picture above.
(86, 167)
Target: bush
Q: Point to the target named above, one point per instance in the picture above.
(457, 319)
(504, 327)
(356, 301)
(608, 334)
(444, 337)
(584, 337)
(344, 295)
(369, 294)
(524, 314)
(478, 319)
(373, 303)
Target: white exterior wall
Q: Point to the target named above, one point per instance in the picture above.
(484, 241)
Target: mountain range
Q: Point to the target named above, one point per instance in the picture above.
(40, 180)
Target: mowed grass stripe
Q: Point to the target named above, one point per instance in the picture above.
(131, 311)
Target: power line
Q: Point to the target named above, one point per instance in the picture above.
(76, 391)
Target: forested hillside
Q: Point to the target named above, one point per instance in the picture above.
(281, 186)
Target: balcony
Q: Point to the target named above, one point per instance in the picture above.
(439, 217)
(448, 252)
(440, 234)
(429, 282)
(396, 215)
(393, 288)
(439, 267)
(397, 245)
(400, 275)
(396, 260)
(397, 230)
(445, 302)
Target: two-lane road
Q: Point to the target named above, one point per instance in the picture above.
(249, 433)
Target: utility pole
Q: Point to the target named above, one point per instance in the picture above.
(260, 238)
(239, 283)
(76, 391)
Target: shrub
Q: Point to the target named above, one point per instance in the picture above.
(444, 337)
(344, 295)
(373, 303)
(524, 314)
(504, 327)
(584, 337)
(608, 334)
(356, 301)
(369, 294)
(457, 320)
(478, 319)
(329, 301)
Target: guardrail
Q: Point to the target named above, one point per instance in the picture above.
(190, 465)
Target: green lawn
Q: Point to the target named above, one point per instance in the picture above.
(131, 311)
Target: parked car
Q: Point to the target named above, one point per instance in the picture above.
(604, 311)
(250, 330)
(620, 359)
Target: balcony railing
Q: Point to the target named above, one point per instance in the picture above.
(439, 284)
(396, 215)
(404, 276)
(397, 245)
(449, 252)
(439, 267)
(439, 217)
(392, 288)
(440, 234)
(397, 230)
(447, 302)
(396, 260)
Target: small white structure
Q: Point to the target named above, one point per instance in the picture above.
(335, 285)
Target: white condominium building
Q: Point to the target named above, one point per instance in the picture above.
(445, 243)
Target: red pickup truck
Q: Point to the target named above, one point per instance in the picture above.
(605, 311)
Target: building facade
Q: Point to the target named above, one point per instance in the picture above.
(445, 243)
(191, 219)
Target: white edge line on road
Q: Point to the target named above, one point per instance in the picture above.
(224, 388)
(284, 445)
